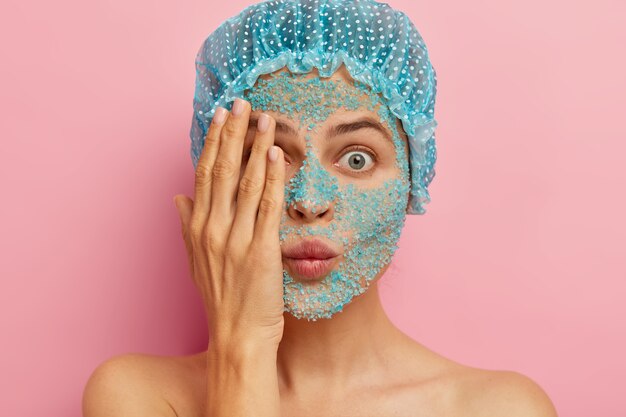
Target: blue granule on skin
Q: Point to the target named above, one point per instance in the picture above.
(367, 220)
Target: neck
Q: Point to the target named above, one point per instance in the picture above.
(332, 351)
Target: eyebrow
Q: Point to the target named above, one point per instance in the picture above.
(366, 122)
(361, 123)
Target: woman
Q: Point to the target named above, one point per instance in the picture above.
(301, 192)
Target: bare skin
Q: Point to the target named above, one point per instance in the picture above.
(356, 364)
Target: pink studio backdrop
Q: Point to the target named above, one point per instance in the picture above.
(519, 263)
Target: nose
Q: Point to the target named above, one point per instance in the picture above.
(310, 213)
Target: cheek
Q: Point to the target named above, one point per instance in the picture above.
(371, 213)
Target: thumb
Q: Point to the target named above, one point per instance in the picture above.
(184, 206)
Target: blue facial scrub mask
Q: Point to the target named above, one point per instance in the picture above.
(367, 217)
(379, 46)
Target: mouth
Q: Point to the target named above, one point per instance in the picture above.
(311, 268)
(310, 259)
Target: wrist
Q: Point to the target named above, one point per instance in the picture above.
(241, 349)
(242, 379)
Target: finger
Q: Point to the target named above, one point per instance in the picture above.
(203, 174)
(271, 205)
(227, 166)
(252, 183)
(184, 206)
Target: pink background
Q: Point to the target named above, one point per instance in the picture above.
(518, 264)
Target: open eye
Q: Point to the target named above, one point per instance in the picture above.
(358, 160)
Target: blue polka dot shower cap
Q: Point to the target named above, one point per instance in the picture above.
(379, 46)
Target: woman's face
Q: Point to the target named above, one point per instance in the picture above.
(347, 183)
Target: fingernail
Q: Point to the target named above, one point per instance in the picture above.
(174, 200)
(273, 153)
(238, 106)
(264, 123)
(220, 115)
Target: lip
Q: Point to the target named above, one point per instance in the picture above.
(312, 248)
(311, 268)
(310, 258)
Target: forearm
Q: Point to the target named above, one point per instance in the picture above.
(242, 381)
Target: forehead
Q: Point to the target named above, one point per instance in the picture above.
(312, 98)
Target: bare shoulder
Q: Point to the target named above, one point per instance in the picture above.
(444, 387)
(139, 384)
(498, 393)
